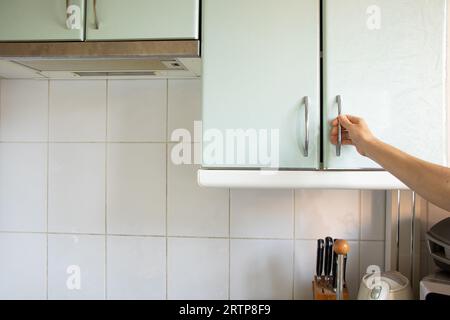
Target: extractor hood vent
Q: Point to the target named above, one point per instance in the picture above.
(115, 74)
(101, 65)
(71, 60)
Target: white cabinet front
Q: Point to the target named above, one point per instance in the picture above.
(261, 82)
(142, 19)
(386, 60)
(41, 20)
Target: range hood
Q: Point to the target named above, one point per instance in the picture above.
(100, 60)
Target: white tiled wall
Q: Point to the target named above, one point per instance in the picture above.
(70, 255)
(204, 274)
(77, 111)
(76, 188)
(23, 267)
(23, 187)
(262, 214)
(137, 111)
(136, 184)
(92, 207)
(136, 267)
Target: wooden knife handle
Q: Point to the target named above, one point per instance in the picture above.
(341, 247)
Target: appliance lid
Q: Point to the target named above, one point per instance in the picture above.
(441, 231)
(394, 280)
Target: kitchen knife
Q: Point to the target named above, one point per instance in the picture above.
(328, 256)
(345, 270)
(320, 252)
(341, 248)
(334, 268)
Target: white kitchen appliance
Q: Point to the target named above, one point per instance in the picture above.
(385, 286)
(438, 239)
(437, 286)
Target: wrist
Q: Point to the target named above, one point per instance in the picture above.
(370, 146)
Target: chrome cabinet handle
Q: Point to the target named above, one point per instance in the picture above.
(339, 142)
(95, 14)
(306, 101)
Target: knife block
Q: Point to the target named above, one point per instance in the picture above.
(323, 290)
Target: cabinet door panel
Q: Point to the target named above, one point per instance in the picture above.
(260, 59)
(41, 20)
(386, 58)
(142, 19)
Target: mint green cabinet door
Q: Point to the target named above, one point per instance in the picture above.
(386, 59)
(261, 67)
(41, 20)
(142, 19)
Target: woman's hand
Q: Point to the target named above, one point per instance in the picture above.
(354, 132)
(429, 180)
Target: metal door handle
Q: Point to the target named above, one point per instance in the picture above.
(306, 101)
(95, 14)
(339, 142)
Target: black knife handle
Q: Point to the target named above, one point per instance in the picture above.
(328, 255)
(320, 252)
(345, 269)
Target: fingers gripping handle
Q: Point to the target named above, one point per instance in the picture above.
(339, 142)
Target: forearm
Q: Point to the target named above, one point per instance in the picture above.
(430, 181)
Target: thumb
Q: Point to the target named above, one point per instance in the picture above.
(345, 122)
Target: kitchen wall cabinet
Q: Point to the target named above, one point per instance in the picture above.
(142, 19)
(41, 20)
(384, 59)
(261, 72)
(387, 63)
(64, 20)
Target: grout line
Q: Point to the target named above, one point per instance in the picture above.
(1, 86)
(1, 92)
(132, 236)
(360, 231)
(384, 220)
(25, 142)
(106, 192)
(293, 247)
(87, 142)
(229, 244)
(83, 234)
(163, 236)
(167, 189)
(361, 201)
(47, 181)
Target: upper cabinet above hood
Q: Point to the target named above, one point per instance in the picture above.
(99, 38)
